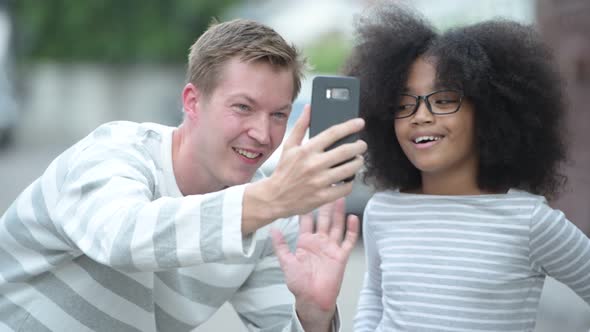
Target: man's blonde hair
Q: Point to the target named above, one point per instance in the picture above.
(249, 41)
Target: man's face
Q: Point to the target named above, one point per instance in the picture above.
(241, 123)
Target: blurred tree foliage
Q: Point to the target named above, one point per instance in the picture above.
(328, 54)
(111, 31)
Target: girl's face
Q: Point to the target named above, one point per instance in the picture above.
(437, 145)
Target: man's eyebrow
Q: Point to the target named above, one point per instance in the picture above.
(287, 107)
(245, 96)
(251, 100)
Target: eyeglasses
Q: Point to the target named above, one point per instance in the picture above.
(438, 102)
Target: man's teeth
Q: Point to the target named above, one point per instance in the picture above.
(426, 138)
(247, 154)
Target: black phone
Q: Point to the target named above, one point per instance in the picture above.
(334, 99)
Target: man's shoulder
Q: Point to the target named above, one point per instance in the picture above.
(123, 140)
(126, 135)
(128, 130)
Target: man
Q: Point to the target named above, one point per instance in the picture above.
(142, 227)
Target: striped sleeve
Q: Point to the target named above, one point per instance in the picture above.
(263, 302)
(107, 209)
(560, 250)
(370, 309)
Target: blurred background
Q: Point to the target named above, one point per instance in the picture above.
(67, 66)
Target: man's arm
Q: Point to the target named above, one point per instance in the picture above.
(107, 210)
(263, 302)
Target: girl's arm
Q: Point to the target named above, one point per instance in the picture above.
(560, 249)
(369, 309)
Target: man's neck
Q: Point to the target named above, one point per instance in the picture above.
(190, 180)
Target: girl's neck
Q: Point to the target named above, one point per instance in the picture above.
(457, 183)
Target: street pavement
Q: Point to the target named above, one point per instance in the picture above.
(560, 309)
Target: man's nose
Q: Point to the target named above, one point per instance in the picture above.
(260, 129)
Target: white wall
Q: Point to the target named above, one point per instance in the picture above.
(65, 102)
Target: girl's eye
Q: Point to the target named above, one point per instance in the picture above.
(445, 101)
(406, 107)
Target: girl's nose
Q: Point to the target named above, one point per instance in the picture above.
(423, 114)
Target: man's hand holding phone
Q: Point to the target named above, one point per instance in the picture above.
(312, 174)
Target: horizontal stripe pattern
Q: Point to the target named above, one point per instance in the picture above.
(465, 263)
(104, 241)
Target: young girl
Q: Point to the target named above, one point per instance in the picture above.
(465, 142)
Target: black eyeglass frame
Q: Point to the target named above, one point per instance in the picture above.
(428, 106)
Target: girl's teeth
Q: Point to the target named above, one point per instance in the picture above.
(426, 138)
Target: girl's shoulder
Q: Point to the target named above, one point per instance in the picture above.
(392, 198)
(510, 194)
(383, 197)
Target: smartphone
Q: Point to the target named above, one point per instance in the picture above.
(334, 99)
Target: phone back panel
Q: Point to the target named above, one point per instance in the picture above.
(334, 99)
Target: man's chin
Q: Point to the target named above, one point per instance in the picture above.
(239, 180)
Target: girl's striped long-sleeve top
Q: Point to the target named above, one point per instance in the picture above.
(465, 263)
(105, 241)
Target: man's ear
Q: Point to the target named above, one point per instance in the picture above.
(191, 96)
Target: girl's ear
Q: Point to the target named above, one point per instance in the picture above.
(191, 96)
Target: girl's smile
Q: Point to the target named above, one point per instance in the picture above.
(426, 140)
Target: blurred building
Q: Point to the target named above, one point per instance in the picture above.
(565, 26)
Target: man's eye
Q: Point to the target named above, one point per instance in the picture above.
(242, 107)
(280, 116)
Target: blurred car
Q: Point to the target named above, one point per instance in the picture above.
(8, 110)
(356, 201)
